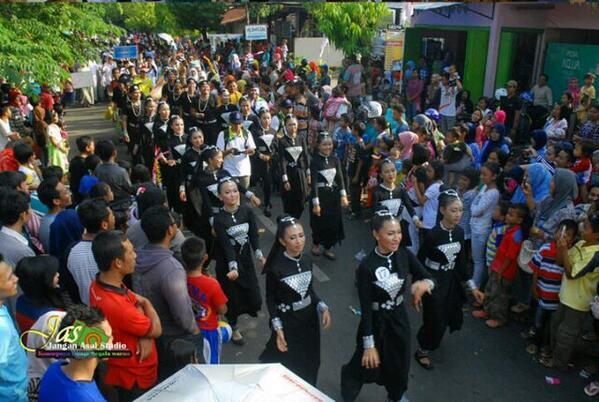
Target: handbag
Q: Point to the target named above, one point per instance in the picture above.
(526, 252)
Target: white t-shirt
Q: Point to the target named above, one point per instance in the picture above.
(429, 210)
(447, 102)
(4, 133)
(237, 165)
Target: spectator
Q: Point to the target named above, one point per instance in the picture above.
(447, 103)
(109, 172)
(542, 94)
(56, 196)
(511, 105)
(77, 169)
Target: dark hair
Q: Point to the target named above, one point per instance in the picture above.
(149, 196)
(360, 128)
(399, 108)
(594, 221)
(92, 213)
(47, 193)
(380, 217)
(226, 180)
(155, 223)
(124, 164)
(521, 209)
(503, 207)
(83, 142)
(569, 95)
(439, 169)
(12, 205)
(99, 190)
(420, 154)
(209, 152)
(544, 75)
(473, 175)
(446, 198)
(36, 277)
(455, 132)
(105, 149)
(587, 147)
(107, 247)
(193, 251)
(140, 174)
(382, 122)
(493, 167)
(90, 316)
(91, 162)
(12, 179)
(569, 153)
(53, 171)
(502, 156)
(569, 224)
(283, 222)
(22, 152)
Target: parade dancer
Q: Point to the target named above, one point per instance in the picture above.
(294, 167)
(266, 146)
(293, 304)
(443, 253)
(327, 198)
(236, 230)
(382, 352)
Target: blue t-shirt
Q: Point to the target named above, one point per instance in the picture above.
(342, 137)
(13, 361)
(56, 386)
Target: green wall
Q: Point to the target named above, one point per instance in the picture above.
(505, 58)
(477, 47)
(413, 44)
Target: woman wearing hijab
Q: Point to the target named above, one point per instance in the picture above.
(470, 140)
(538, 177)
(423, 127)
(538, 139)
(496, 140)
(406, 139)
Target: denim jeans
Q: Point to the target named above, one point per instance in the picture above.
(446, 123)
(479, 250)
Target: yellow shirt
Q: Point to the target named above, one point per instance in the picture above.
(578, 293)
(235, 97)
(145, 85)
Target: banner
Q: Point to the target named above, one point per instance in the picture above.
(125, 52)
(394, 46)
(256, 32)
(82, 79)
(563, 61)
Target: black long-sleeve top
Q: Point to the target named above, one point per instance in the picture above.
(381, 279)
(265, 140)
(395, 200)
(235, 231)
(293, 152)
(443, 253)
(326, 172)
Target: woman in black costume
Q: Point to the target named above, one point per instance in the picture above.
(191, 164)
(294, 167)
(293, 304)
(266, 145)
(443, 254)
(236, 230)
(382, 352)
(327, 198)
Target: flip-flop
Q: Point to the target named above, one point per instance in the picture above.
(317, 252)
(592, 389)
(492, 323)
(329, 255)
(480, 314)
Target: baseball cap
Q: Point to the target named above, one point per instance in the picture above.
(235, 118)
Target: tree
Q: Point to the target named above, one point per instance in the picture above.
(203, 17)
(351, 27)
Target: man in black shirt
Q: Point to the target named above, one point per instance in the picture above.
(511, 105)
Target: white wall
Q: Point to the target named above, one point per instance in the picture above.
(310, 49)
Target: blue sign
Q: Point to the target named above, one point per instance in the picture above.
(125, 52)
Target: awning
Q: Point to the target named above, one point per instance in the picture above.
(234, 15)
(431, 6)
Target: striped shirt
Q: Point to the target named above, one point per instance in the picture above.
(82, 265)
(549, 275)
(494, 240)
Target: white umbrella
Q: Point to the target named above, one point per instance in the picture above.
(169, 39)
(234, 383)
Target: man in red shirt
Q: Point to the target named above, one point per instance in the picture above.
(133, 319)
(46, 98)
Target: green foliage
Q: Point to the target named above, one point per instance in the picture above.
(259, 12)
(351, 27)
(37, 40)
(203, 17)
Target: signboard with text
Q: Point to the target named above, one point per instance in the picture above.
(125, 52)
(394, 46)
(256, 32)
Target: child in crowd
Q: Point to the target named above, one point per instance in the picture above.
(356, 163)
(565, 158)
(101, 191)
(587, 97)
(467, 185)
(342, 137)
(503, 270)
(428, 193)
(314, 127)
(88, 180)
(86, 147)
(207, 298)
(579, 286)
(497, 232)
(546, 283)
(28, 164)
(583, 151)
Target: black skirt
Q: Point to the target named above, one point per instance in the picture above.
(327, 229)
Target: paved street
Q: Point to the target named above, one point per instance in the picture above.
(476, 364)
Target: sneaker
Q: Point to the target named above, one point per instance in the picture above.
(532, 331)
(519, 308)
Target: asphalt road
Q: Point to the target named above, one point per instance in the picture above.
(476, 364)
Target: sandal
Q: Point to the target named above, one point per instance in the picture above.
(480, 314)
(239, 341)
(519, 308)
(592, 389)
(420, 356)
(316, 251)
(330, 255)
(493, 323)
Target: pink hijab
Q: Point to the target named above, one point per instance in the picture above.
(407, 140)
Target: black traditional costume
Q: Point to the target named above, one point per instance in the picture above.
(133, 114)
(172, 176)
(207, 118)
(381, 281)
(293, 306)
(236, 232)
(327, 189)
(266, 144)
(399, 204)
(444, 256)
(191, 165)
(294, 167)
